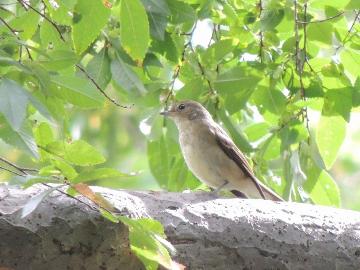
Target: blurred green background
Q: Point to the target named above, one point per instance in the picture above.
(117, 133)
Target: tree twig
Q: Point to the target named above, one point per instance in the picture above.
(11, 171)
(177, 68)
(45, 18)
(14, 32)
(298, 63)
(24, 173)
(351, 27)
(100, 89)
(21, 169)
(322, 20)
(261, 45)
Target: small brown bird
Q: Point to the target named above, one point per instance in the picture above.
(212, 155)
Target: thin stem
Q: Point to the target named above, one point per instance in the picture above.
(100, 89)
(322, 20)
(23, 3)
(21, 169)
(351, 27)
(11, 171)
(14, 32)
(73, 197)
(261, 45)
(25, 173)
(177, 68)
(298, 63)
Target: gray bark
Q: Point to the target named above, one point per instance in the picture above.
(208, 233)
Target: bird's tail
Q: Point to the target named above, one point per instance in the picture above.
(257, 190)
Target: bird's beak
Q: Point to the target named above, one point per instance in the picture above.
(167, 113)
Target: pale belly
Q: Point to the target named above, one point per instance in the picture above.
(209, 163)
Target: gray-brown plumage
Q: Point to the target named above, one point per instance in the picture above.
(211, 154)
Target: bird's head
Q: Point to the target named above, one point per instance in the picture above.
(186, 110)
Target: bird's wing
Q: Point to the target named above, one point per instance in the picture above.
(231, 150)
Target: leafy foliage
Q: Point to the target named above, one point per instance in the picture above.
(263, 70)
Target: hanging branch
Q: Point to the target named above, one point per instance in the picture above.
(14, 32)
(100, 89)
(299, 64)
(11, 171)
(261, 45)
(77, 65)
(23, 3)
(202, 70)
(351, 27)
(322, 20)
(177, 68)
(25, 173)
(22, 170)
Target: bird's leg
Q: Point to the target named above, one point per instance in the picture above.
(239, 194)
(218, 189)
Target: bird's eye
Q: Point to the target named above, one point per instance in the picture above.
(181, 107)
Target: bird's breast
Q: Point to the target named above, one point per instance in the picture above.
(204, 157)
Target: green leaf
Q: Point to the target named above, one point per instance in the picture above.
(356, 93)
(257, 131)
(321, 32)
(58, 60)
(147, 242)
(77, 153)
(83, 154)
(67, 170)
(270, 149)
(338, 102)
(43, 134)
(13, 102)
(89, 19)
(32, 180)
(34, 202)
(191, 90)
(270, 99)
(157, 11)
(27, 24)
(134, 29)
(323, 3)
(217, 51)
(156, 7)
(166, 47)
(158, 25)
(101, 173)
(351, 61)
(330, 134)
(325, 191)
(21, 139)
(236, 79)
(158, 161)
(181, 178)
(99, 68)
(270, 18)
(125, 77)
(78, 91)
(353, 4)
(236, 134)
(181, 12)
(61, 13)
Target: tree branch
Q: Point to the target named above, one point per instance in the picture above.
(100, 89)
(322, 20)
(261, 45)
(208, 233)
(351, 27)
(23, 3)
(14, 32)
